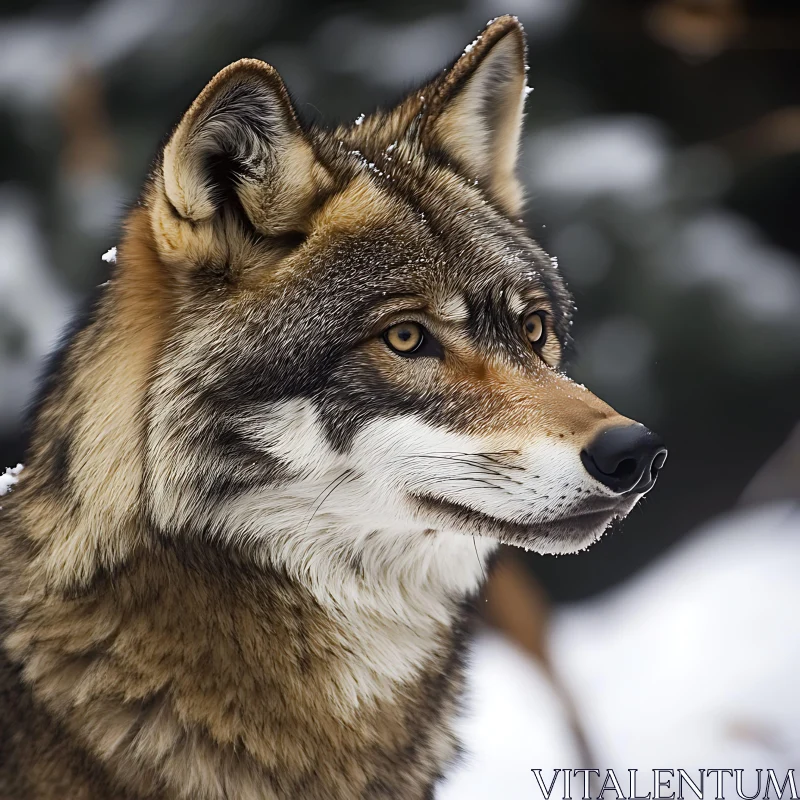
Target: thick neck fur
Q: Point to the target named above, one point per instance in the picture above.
(184, 668)
(189, 672)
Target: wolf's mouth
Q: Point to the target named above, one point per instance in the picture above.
(578, 529)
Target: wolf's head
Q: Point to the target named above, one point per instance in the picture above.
(359, 347)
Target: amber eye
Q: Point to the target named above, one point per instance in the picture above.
(405, 337)
(535, 330)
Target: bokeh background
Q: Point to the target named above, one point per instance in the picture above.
(662, 160)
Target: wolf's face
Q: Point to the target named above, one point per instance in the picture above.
(363, 359)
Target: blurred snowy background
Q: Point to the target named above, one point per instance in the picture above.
(662, 158)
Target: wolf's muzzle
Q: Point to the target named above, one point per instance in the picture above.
(626, 459)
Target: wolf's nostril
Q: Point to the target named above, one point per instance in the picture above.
(626, 458)
(625, 467)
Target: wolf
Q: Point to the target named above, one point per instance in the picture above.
(269, 467)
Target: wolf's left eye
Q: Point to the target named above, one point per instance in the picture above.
(535, 329)
(411, 339)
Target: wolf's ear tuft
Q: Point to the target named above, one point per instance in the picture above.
(476, 116)
(241, 140)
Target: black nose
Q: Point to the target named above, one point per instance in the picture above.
(626, 459)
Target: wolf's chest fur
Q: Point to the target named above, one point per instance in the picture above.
(190, 674)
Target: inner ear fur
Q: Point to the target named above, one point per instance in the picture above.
(476, 113)
(239, 149)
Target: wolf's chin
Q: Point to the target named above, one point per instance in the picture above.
(568, 534)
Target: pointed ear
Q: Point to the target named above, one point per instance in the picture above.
(240, 148)
(476, 115)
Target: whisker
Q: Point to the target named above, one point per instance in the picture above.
(481, 454)
(327, 492)
(464, 460)
(480, 563)
(472, 488)
(474, 479)
(492, 457)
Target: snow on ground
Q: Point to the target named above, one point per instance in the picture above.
(693, 664)
(515, 722)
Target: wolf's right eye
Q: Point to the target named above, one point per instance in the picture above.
(405, 337)
(412, 340)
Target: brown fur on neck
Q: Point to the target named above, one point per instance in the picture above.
(192, 673)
